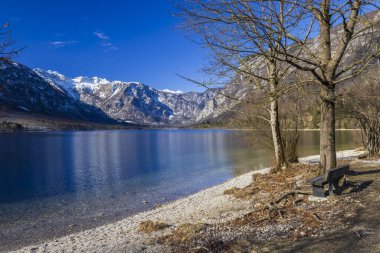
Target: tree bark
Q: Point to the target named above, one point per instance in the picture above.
(373, 142)
(327, 138)
(276, 135)
(275, 127)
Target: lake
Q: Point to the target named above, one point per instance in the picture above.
(55, 183)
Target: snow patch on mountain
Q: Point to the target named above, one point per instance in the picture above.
(59, 82)
(172, 91)
(136, 102)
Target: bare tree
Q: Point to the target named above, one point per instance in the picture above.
(329, 59)
(362, 102)
(290, 114)
(314, 36)
(8, 48)
(243, 43)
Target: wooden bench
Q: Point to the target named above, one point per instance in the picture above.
(331, 177)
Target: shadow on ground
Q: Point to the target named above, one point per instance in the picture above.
(363, 233)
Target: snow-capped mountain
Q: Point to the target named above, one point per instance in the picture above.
(136, 102)
(97, 99)
(22, 89)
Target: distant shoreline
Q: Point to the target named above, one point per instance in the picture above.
(253, 129)
(15, 126)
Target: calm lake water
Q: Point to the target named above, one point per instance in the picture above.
(54, 183)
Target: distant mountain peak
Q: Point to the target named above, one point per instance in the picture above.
(135, 101)
(91, 80)
(172, 91)
(88, 82)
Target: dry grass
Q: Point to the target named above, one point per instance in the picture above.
(241, 193)
(296, 208)
(184, 233)
(151, 226)
(274, 183)
(269, 187)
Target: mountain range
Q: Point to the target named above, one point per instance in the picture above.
(94, 99)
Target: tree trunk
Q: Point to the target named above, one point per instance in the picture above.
(327, 139)
(373, 144)
(275, 127)
(276, 134)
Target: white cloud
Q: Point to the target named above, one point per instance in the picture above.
(101, 35)
(104, 41)
(59, 44)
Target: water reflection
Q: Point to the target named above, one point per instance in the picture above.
(38, 165)
(35, 165)
(309, 143)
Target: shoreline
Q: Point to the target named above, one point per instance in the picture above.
(207, 206)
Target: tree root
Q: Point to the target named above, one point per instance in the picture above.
(274, 210)
(315, 216)
(291, 193)
(200, 248)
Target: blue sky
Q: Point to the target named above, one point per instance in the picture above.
(128, 40)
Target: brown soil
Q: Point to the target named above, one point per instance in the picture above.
(361, 232)
(349, 222)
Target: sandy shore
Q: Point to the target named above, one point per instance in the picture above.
(208, 206)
